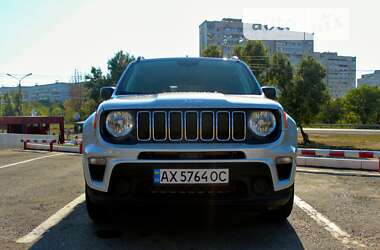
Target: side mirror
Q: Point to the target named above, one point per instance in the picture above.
(270, 92)
(106, 92)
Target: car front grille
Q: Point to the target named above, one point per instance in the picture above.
(191, 126)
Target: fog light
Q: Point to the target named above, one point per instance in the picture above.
(284, 160)
(97, 161)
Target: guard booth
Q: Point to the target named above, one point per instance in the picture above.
(32, 125)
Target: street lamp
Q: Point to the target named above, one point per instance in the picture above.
(19, 79)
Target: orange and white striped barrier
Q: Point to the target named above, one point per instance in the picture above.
(51, 146)
(352, 159)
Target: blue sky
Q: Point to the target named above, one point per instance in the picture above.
(53, 38)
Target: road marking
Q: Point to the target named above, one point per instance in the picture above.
(26, 161)
(321, 220)
(329, 226)
(53, 220)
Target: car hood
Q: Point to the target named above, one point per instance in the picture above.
(188, 100)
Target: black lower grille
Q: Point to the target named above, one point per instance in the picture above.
(137, 179)
(234, 188)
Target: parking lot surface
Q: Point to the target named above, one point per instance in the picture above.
(333, 210)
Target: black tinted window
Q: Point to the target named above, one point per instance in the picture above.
(190, 75)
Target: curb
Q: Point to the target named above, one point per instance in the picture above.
(340, 159)
(51, 147)
(339, 163)
(338, 153)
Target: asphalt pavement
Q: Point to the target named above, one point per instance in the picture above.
(333, 210)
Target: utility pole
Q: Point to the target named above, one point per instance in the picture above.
(1, 105)
(77, 80)
(19, 99)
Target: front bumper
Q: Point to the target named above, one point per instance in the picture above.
(257, 159)
(250, 184)
(261, 157)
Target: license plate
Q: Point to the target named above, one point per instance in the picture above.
(191, 176)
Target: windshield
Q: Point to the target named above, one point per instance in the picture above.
(153, 77)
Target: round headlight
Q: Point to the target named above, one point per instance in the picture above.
(119, 123)
(262, 123)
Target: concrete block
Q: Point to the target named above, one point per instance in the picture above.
(370, 164)
(334, 163)
(301, 161)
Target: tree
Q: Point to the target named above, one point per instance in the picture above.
(309, 93)
(56, 111)
(349, 118)
(117, 64)
(95, 82)
(212, 51)
(238, 51)
(41, 108)
(9, 108)
(256, 56)
(332, 112)
(280, 75)
(17, 97)
(87, 107)
(96, 79)
(72, 108)
(365, 103)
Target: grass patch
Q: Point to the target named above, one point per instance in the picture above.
(342, 141)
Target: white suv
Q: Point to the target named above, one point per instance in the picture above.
(187, 131)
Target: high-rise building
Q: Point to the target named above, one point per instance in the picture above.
(294, 49)
(370, 79)
(340, 72)
(228, 33)
(55, 92)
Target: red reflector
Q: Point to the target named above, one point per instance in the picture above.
(336, 154)
(365, 154)
(96, 117)
(308, 152)
(285, 120)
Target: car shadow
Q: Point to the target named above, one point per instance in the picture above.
(170, 229)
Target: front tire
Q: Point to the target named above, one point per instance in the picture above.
(282, 213)
(97, 213)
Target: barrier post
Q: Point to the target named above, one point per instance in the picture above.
(51, 145)
(25, 142)
(379, 166)
(81, 148)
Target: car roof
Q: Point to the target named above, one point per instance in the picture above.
(187, 59)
